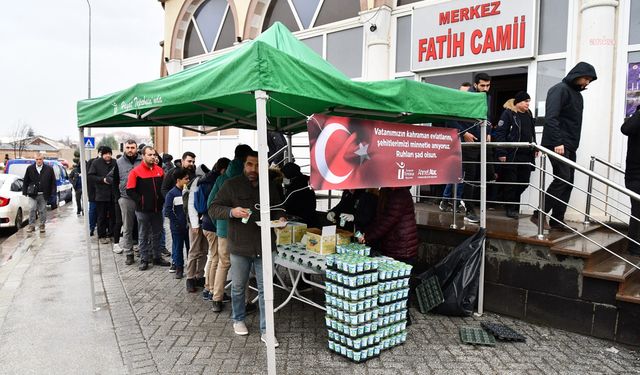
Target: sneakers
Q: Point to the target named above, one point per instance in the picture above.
(179, 272)
(143, 266)
(263, 338)
(216, 306)
(240, 328)
(117, 249)
(103, 240)
(471, 217)
(161, 262)
(165, 252)
(130, 260)
(30, 229)
(42, 228)
(207, 295)
(172, 269)
(445, 206)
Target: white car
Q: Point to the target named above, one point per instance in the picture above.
(14, 207)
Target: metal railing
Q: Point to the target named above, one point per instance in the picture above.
(592, 164)
(542, 194)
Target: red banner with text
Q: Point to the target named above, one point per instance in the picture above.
(348, 153)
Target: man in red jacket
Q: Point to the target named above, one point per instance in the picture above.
(143, 187)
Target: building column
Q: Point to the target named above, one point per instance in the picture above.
(596, 45)
(377, 53)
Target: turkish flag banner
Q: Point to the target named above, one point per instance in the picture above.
(348, 153)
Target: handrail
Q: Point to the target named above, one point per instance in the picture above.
(608, 164)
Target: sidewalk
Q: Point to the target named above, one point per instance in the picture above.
(149, 324)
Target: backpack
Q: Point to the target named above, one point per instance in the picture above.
(201, 196)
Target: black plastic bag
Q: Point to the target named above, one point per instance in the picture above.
(459, 276)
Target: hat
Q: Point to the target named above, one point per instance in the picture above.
(520, 97)
(291, 170)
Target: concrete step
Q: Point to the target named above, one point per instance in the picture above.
(606, 266)
(629, 290)
(578, 246)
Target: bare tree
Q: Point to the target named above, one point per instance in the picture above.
(20, 136)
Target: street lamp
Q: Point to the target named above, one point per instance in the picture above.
(89, 66)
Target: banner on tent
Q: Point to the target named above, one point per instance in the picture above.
(348, 153)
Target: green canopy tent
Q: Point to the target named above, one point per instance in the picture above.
(273, 82)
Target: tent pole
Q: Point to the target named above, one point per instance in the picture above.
(85, 210)
(483, 208)
(265, 217)
(289, 147)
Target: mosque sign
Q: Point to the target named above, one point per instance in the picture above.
(349, 153)
(464, 32)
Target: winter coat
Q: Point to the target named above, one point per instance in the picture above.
(120, 173)
(361, 204)
(302, 203)
(91, 186)
(170, 181)
(173, 209)
(97, 174)
(563, 110)
(143, 186)
(46, 180)
(631, 128)
(209, 181)
(395, 225)
(234, 169)
(243, 239)
(509, 129)
(75, 177)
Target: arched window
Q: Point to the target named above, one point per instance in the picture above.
(305, 14)
(211, 28)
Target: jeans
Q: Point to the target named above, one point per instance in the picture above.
(560, 189)
(93, 216)
(149, 228)
(633, 184)
(448, 191)
(179, 241)
(128, 211)
(38, 204)
(240, 268)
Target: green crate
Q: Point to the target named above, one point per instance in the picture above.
(429, 294)
(476, 336)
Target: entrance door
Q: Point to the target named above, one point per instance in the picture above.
(503, 88)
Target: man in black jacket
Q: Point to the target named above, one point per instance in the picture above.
(631, 128)
(39, 185)
(105, 203)
(300, 198)
(563, 125)
(188, 162)
(236, 201)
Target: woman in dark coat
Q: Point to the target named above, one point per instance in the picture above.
(395, 226)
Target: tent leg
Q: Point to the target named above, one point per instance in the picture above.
(483, 208)
(85, 209)
(265, 217)
(289, 147)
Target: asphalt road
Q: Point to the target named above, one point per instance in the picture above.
(6, 233)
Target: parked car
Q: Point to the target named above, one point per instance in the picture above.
(18, 167)
(14, 207)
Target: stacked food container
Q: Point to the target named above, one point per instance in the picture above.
(393, 294)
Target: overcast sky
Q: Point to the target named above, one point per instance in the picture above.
(44, 57)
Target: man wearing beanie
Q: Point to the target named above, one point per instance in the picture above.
(563, 125)
(516, 125)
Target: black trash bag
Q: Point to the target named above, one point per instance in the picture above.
(459, 276)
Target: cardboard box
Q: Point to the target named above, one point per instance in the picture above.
(320, 244)
(284, 235)
(326, 244)
(298, 231)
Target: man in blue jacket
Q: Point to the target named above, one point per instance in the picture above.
(563, 125)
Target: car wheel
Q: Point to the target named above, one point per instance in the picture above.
(19, 219)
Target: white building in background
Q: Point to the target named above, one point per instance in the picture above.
(524, 45)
